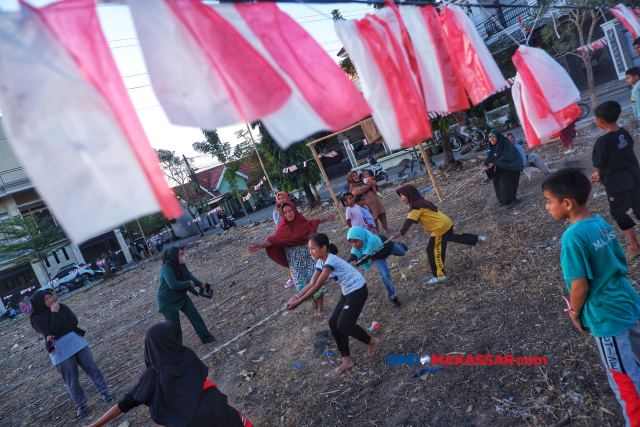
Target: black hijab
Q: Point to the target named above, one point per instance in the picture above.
(43, 320)
(172, 384)
(416, 201)
(172, 259)
(504, 154)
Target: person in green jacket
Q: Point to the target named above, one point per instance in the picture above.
(175, 280)
(503, 165)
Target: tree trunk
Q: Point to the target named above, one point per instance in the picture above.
(449, 160)
(418, 155)
(246, 212)
(315, 192)
(310, 197)
(196, 222)
(586, 58)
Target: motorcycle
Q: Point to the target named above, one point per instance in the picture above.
(113, 267)
(230, 222)
(77, 283)
(379, 174)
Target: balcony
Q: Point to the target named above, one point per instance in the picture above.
(12, 177)
(503, 18)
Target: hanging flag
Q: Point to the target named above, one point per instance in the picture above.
(225, 64)
(293, 168)
(523, 27)
(596, 45)
(544, 94)
(442, 87)
(378, 51)
(285, 170)
(479, 71)
(71, 122)
(364, 142)
(628, 19)
(305, 164)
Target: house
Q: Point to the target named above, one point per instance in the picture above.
(19, 197)
(213, 181)
(498, 25)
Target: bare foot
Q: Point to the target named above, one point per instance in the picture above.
(372, 347)
(346, 364)
(632, 253)
(323, 313)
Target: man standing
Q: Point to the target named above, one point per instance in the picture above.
(113, 257)
(633, 77)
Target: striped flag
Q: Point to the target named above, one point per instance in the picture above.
(628, 19)
(225, 64)
(71, 122)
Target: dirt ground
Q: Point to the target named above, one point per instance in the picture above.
(502, 298)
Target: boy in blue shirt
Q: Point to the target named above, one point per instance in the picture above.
(602, 301)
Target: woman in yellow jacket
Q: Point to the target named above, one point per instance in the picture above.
(436, 223)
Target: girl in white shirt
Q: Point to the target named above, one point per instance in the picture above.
(343, 321)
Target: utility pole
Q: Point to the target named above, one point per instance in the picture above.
(260, 158)
(192, 174)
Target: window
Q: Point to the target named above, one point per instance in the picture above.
(64, 252)
(46, 261)
(6, 219)
(22, 281)
(55, 255)
(10, 284)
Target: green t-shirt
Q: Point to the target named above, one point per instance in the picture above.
(591, 249)
(635, 100)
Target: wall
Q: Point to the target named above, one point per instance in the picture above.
(8, 159)
(226, 187)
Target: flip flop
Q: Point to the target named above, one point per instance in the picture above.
(324, 314)
(319, 347)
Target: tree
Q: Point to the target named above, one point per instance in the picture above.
(296, 154)
(575, 22)
(31, 239)
(150, 224)
(213, 146)
(442, 124)
(345, 63)
(185, 189)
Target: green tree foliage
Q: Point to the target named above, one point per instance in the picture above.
(30, 239)
(179, 177)
(303, 178)
(213, 146)
(442, 124)
(150, 224)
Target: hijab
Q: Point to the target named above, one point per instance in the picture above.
(352, 183)
(369, 243)
(171, 258)
(173, 382)
(290, 234)
(41, 317)
(503, 154)
(286, 196)
(416, 201)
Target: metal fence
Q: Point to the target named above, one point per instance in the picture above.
(12, 177)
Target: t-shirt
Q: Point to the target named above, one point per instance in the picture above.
(366, 215)
(435, 223)
(591, 249)
(522, 153)
(635, 100)
(613, 154)
(355, 215)
(277, 218)
(342, 272)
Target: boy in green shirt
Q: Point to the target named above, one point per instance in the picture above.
(633, 77)
(602, 301)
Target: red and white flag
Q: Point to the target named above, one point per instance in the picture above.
(225, 64)
(71, 122)
(442, 87)
(628, 19)
(377, 48)
(479, 71)
(544, 94)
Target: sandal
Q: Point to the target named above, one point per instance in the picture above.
(324, 314)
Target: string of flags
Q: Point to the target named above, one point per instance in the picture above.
(596, 45)
(257, 186)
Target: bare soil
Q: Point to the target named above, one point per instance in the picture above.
(502, 298)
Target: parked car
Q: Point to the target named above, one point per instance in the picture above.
(73, 275)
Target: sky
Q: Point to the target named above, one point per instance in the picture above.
(120, 33)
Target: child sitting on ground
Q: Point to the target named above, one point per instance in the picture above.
(367, 177)
(602, 301)
(370, 224)
(354, 212)
(436, 223)
(617, 169)
(343, 321)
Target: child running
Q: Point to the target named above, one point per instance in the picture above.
(436, 223)
(369, 222)
(363, 243)
(354, 212)
(602, 301)
(354, 294)
(617, 169)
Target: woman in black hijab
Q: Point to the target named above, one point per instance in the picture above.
(174, 282)
(503, 165)
(175, 387)
(66, 347)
